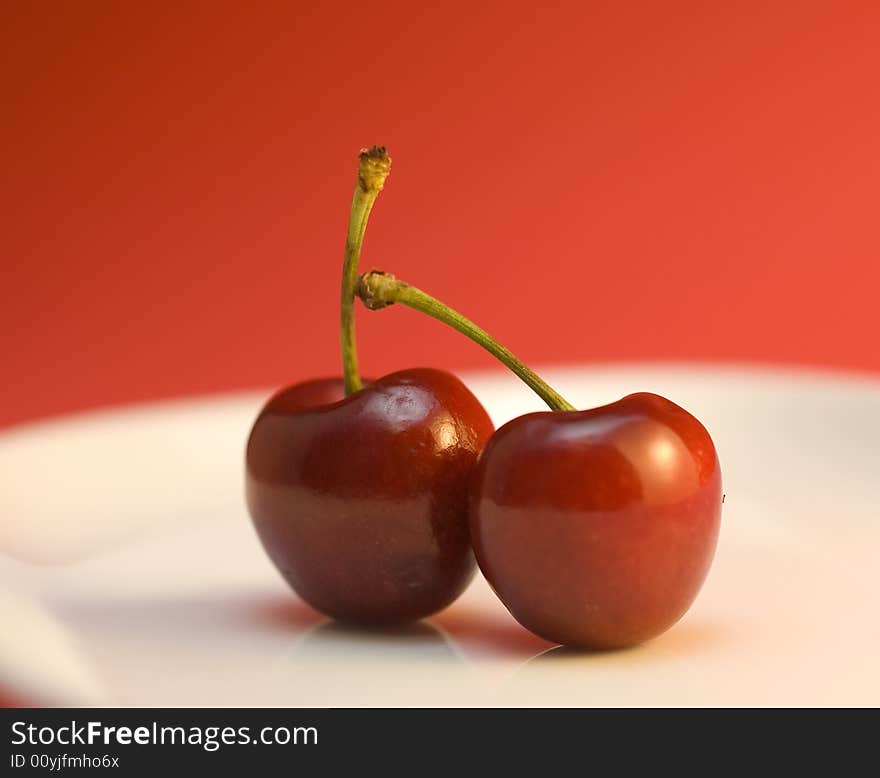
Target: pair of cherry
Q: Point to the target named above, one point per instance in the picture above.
(595, 528)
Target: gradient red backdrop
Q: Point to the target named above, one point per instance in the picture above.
(590, 181)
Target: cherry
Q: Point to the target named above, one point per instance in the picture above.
(362, 504)
(360, 494)
(309, 394)
(595, 528)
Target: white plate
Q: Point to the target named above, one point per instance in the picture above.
(145, 585)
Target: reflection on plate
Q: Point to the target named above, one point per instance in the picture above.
(126, 538)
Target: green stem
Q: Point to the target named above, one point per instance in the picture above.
(378, 290)
(374, 164)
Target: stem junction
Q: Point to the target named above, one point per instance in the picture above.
(378, 289)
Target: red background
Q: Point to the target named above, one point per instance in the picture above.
(590, 181)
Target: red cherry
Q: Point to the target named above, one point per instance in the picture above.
(362, 503)
(597, 528)
(309, 394)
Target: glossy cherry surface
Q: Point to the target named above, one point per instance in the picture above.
(362, 502)
(597, 528)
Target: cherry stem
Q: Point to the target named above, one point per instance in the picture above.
(377, 289)
(374, 165)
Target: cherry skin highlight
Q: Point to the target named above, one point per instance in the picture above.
(597, 528)
(361, 502)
